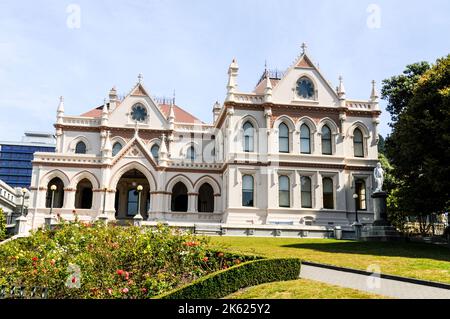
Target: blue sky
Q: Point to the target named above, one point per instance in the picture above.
(187, 45)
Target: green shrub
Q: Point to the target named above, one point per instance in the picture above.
(225, 282)
(79, 260)
(2, 225)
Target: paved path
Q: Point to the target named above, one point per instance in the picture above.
(386, 287)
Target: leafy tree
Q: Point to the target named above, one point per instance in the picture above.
(381, 144)
(419, 146)
(398, 90)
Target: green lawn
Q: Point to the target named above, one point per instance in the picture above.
(422, 261)
(300, 289)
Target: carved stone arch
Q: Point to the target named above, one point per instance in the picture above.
(85, 175)
(197, 149)
(180, 178)
(286, 120)
(52, 174)
(117, 174)
(330, 123)
(80, 138)
(309, 122)
(238, 137)
(361, 126)
(118, 139)
(211, 181)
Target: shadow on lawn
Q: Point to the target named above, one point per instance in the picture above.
(390, 249)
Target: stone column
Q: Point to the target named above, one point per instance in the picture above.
(192, 202)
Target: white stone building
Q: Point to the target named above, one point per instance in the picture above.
(293, 152)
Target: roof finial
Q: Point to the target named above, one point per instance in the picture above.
(174, 95)
(140, 78)
(340, 88)
(374, 94)
(304, 47)
(265, 65)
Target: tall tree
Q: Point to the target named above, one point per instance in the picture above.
(419, 146)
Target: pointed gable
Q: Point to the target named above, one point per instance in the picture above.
(139, 90)
(304, 62)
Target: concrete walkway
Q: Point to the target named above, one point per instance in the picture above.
(373, 284)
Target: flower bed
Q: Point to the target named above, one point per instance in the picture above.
(79, 260)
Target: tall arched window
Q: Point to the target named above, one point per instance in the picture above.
(328, 194)
(190, 154)
(205, 199)
(179, 201)
(360, 189)
(305, 139)
(116, 148)
(247, 190)
(283, 138)
(155, 152)
(284, 191)
(58, 194)
(358, 144)
(306, 192)
(80, 148)
(326, 140)
(248, 137)
(83, 195)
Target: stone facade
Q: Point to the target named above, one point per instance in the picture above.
(293, 152)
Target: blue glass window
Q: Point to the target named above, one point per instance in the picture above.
(283, 138)
(305, 139)
(80, 148)
(155, 152)
(116, 148)
(138, 113)
(247, 190)
(305, 88)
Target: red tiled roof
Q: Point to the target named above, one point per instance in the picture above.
(181, 115)
(260, 88)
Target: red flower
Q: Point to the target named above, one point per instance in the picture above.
(34, 259)
(120, 272)
(144, 290)
(52, 262)
(125, 290)
(74, 280)
(205, 259)
(127, 275)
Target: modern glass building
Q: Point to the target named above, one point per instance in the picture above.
(16, 157)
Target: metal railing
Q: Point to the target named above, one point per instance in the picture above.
(21, 292)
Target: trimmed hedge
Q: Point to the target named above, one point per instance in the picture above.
(225, 282)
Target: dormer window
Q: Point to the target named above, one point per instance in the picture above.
(305, 88)
(138, 112)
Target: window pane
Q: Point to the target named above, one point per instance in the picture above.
(283, 183)
(80, 148)
(359, 152)
(360, 186)
(305, 146)
(306, 192)
(248, 137)
(247, 198)
(116, 148)
(328, 201)
(283, 130)
(284, 197)
(247, 182)
(155, 152)
(284, 144)
(190, 153)
(326, 147)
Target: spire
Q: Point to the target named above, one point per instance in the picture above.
(163, 154)
(107, 147)
(140, 78)
(60, 110)
(341, 88)
(171, 117)
(374, 93)
(112, 98)
(232, 83)
(105, 113)
(216, 110)
(304, 46)
(268, 90)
